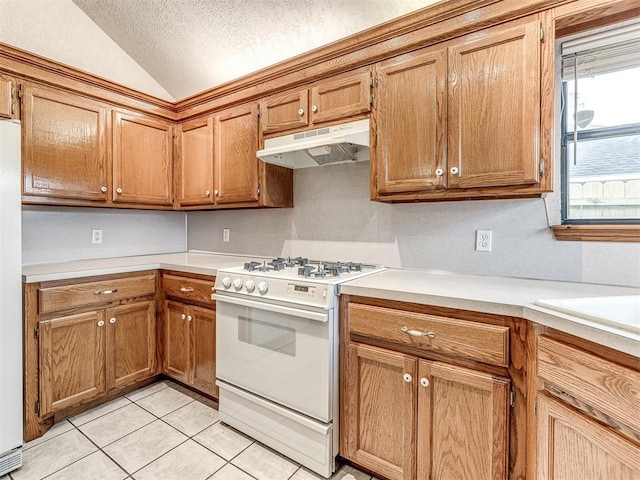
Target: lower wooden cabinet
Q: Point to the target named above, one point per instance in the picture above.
(83, 355)
(190, 342)
(409, 418)
(571, 446)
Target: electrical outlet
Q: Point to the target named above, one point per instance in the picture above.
(483, 240)
(96, 236)
(225, 234)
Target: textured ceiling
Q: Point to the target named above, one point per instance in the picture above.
(189, 46)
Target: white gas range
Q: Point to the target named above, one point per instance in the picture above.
(277, 354)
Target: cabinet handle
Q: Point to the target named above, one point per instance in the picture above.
(439, 172)
(186, 289)
(103, 189)
(189, 318)
(105, 292)
(454, 170)
(207, 193)
(101, 323)
(417, 333)
(118, 190)
(183, 316)
(424, 382)
(407, 378)
(301, 111)
(314, 109)
(112, 320)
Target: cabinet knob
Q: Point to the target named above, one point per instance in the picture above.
(118, 190)
(454, 170)
(112, 320)
(101, 323)
(407, 378)
(439, 172)
(424, 382)
(215, 192)
(314, 109)
(183, 316)
(207, 193)
(103, 189)
(301, 111)
(189, 318)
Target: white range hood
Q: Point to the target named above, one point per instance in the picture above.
(347, 142)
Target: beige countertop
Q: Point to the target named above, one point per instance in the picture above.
(497, 295)
(502, 296)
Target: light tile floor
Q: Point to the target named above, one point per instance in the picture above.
(160, 432)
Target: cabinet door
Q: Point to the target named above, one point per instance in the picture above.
(463, 423)
(6, 98)
(196, 163)
(379, 408)
(64, 146)
(410, 123)
(177, 344)
(285, 112)
(131, 343)
(72, 360)
(236, 164)
(142, 160)
(203, 353)
(573, 447)
(494, 109)
(341, 98)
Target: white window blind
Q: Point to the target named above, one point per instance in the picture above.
(599, 53)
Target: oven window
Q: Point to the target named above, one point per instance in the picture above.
(275, 338)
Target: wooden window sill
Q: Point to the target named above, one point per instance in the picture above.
(597, 233)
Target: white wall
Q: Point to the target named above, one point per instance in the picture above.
(56, 234)
(59, 30)
(334, 218)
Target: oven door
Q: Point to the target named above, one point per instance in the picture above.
(280, 353)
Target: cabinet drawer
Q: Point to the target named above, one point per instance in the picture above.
(459, 338)
(190, 289)
(59, 298)
(602, 384)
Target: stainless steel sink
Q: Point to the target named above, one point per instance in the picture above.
(622, 312)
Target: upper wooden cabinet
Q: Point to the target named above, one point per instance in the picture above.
(7, 107)
(142, 159)
(196, 181)
(410, 123)
(460, 120)
(64, 146)
(333, 99)
(494, 108)
(235, 146)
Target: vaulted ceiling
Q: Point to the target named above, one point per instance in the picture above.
(189, 46)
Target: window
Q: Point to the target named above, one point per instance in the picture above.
(601, 127)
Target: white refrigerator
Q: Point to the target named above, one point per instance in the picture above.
(10, 299)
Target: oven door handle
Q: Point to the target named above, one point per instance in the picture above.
(294, 312)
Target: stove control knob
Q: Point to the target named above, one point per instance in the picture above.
(226, 282)
(263, 287)
(250, 285)
(237, 283)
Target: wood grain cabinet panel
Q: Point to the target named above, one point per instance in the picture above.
(142, 160)
(494, 108)
(188, 289)
(380, 411)
(64, 146)
(336, 98)
(203, 353)
(131, 343)
(572, 446)
(177, 341)
(7, 109)
(72, 360)
(196, 162)
(410, 123)
(463, 423)
(236, 164)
